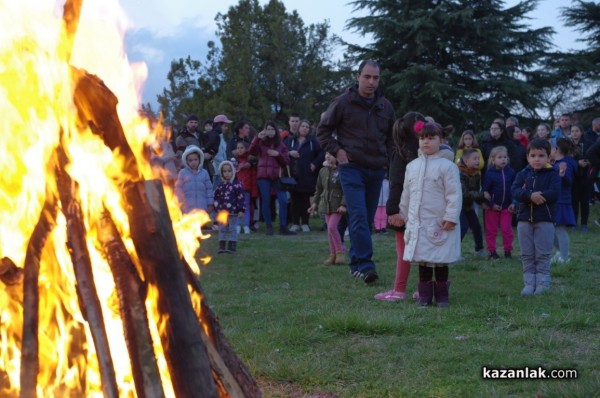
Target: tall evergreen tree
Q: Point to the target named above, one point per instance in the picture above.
(583, 66)
(460, 61)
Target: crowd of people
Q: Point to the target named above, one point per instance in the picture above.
(365, 171)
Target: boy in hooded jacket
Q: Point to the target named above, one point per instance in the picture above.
(536, 188)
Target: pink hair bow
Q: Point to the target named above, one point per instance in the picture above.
(418, 126)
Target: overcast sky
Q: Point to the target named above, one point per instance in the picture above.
(160, 33)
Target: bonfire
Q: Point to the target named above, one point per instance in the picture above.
(99, 275)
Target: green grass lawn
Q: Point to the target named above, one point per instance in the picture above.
(307, 330)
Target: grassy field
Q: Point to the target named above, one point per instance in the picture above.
(307, 330)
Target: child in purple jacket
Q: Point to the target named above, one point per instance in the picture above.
(229, 198)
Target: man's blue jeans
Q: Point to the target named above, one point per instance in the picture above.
(361, 187)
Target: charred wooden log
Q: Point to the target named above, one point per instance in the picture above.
(232, 364)
(10, 274)
(131, 291)
(31, 304)
(82, 265)
(97, 108)
(154, 240)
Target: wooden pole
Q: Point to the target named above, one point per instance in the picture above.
(31, 304)
(82, 265)
(234, 373)
(154, 240)
(131, 292)
(97, 109)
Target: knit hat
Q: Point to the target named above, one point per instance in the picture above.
(192, 117)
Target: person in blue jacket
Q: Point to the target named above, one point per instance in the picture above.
(536, 189)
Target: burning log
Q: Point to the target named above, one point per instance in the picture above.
(154, 240)
(233, 373)
(86, 289)
(29, 346)
(132, 293)
(97, 107)
(10, 274)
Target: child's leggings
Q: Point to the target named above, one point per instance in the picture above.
(380, 218)
(402, 267)
(493, 219)
(335, 241)
(426, 273)
(228, 232)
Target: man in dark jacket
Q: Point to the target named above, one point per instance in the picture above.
(188, 136)
(357, 129)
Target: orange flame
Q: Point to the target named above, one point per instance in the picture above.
(36, 96)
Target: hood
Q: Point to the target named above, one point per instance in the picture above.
(464, 169)
(191, 149)
(221, 168)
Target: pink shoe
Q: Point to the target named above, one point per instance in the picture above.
(416, 295)
(391, 295)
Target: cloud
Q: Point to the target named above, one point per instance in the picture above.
(158, 50)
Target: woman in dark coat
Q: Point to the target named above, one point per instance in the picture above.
(306, 158)
(406, 146)
(499, 137)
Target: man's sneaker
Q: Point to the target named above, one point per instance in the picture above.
(305, 228)
(246, 230)
(295, 228)
(368, 276)
(584, 229)
(494, 256)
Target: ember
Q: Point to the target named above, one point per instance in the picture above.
(99, 297)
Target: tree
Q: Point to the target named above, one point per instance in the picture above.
(463, 62)
(583, 66)
(268, 65)
(273, 64)
(177, 100)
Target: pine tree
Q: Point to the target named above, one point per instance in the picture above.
(583, 66)
(463, 62)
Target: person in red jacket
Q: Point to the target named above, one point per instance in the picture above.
(272, 156)
(246, 174)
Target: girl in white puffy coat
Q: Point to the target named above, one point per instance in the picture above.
(430, 206)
